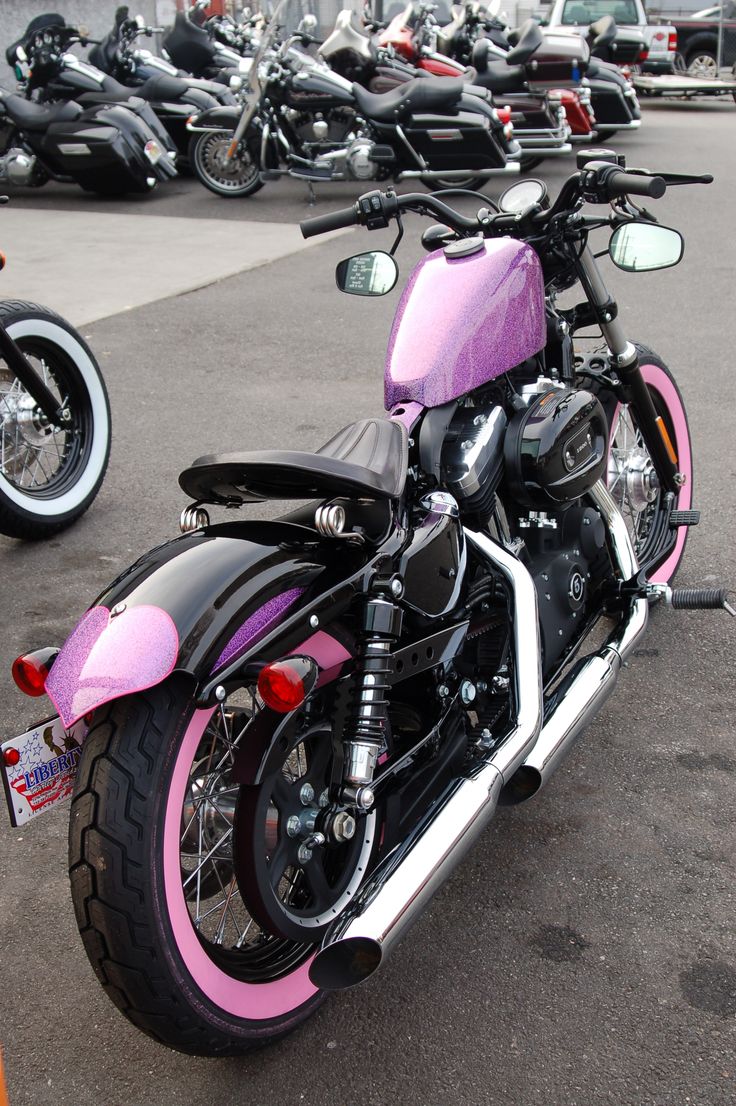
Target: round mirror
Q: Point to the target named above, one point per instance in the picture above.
(367, 274)
(21, 55)
(641, 247)
(523, 194)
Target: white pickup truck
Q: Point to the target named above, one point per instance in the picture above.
(651, 47)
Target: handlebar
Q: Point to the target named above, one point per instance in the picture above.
(620, 183)
(597, 182)
(334, 220)
(375, 210)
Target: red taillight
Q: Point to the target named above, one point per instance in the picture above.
(281, 686)
(672, 41)
(643, 53)
(30, 671)
(504, 114)
(11, 757)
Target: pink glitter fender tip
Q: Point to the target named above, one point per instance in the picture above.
(107, 656)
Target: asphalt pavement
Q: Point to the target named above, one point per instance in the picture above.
(585, 951)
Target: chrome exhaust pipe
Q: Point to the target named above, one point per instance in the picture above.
(395, 894)
(510, 168)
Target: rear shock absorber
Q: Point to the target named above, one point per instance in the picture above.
(366, 730)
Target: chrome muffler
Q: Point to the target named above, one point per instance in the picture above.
(395, 894)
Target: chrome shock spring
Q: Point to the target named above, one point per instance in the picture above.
(367, 726)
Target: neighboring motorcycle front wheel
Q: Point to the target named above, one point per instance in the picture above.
(50, 474)
(631, 476)
(239, 175)
(201, 902)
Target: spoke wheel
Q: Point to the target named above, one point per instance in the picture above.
(49, 474)
(631, 476)
(235, 176)
(166, 919)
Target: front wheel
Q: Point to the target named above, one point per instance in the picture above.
(239, 175)
(50, 474)
(202, 902)
(631, 476)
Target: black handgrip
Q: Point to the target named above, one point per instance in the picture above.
(334, 220)
(619, 183)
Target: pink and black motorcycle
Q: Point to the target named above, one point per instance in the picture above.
(282, 736)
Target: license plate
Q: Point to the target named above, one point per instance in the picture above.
(38, 768)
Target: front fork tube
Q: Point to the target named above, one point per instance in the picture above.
(625, 360)
(243, 123)
(31, 381)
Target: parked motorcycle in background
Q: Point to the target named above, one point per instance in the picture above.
(283, 735)
(54, 421)
(107, 143)
(303, 120)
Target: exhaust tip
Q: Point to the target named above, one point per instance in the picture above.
(525, 782)
(345, 964)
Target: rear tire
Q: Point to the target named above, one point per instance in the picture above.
(152, 804)
(50, 475)
(241, 176)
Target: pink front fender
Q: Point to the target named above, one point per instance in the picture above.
(109, 655)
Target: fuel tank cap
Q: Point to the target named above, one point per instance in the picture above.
(464, 247)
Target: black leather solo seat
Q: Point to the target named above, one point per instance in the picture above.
(417, 95)
(155, 89)
(37, 117)
(368, 458)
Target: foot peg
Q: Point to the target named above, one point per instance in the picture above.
(684, 518)
(692, 599)
(701, 599)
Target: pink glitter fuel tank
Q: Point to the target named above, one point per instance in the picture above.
(464, 321)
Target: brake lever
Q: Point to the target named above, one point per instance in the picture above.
(671, 179)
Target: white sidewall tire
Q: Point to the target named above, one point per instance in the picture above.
(58, 506)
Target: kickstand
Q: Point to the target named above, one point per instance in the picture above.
(311, 195)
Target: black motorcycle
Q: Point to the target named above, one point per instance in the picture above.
(540, 126)
(107, 143)
(477, 36)
(134, 72)
(193, 50)
(303, 120)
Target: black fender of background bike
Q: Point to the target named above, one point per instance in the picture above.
(223, 117)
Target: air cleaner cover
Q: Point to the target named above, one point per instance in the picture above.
(556, 448)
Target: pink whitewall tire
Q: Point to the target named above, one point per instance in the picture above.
(188, 974)
(629, 468)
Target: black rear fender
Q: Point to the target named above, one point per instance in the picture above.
(206, 604)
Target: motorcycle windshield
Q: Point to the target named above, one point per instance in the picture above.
(316, 18)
